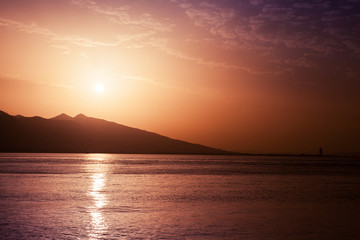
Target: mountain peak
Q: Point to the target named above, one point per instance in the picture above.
(4, 113)
(62, 116)
(80, 115)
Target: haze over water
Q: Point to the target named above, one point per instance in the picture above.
(110, 196)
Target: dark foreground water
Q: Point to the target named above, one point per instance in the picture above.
(109, 196)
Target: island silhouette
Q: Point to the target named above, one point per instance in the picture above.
(82, 134)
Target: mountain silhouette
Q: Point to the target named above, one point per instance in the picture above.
(63, 116)
(82, 134)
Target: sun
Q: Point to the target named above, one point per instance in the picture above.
(99, 87)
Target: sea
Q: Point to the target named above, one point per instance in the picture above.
(115, 196)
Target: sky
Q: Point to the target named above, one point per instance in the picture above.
(257, 76)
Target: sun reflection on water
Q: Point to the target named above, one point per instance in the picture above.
(99, 226)
(96, 156)
(98, 196)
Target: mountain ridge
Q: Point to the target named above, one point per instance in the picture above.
(62, 116)
(82, 134)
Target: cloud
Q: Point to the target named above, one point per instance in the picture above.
(287, 35)
(161, 44)
(185, 5)
(275, 12)
(46, 33)
(83, 42)
(19, 78)
(121, 15)
(354, 47)
(156, 83)
(28, 28)
(256, 2)
(303, 5)
(211, 17)
(280, 35)
(66, 49)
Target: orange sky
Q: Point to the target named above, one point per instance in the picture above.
(246, 76)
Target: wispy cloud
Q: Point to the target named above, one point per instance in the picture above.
(64, 48)
(15, 77)
(215, 19)
(256, 2)
(28, 28)
(121, 15)
(166, 85)
(280, 35)
(276, 28)
(211, 17)
(54, 37)
(161, 44)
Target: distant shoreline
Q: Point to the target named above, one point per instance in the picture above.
(198, 154)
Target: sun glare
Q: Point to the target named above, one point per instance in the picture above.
(99, 87)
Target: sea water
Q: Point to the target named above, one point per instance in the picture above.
(111, 196)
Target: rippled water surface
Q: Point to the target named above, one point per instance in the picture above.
(110, 196)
